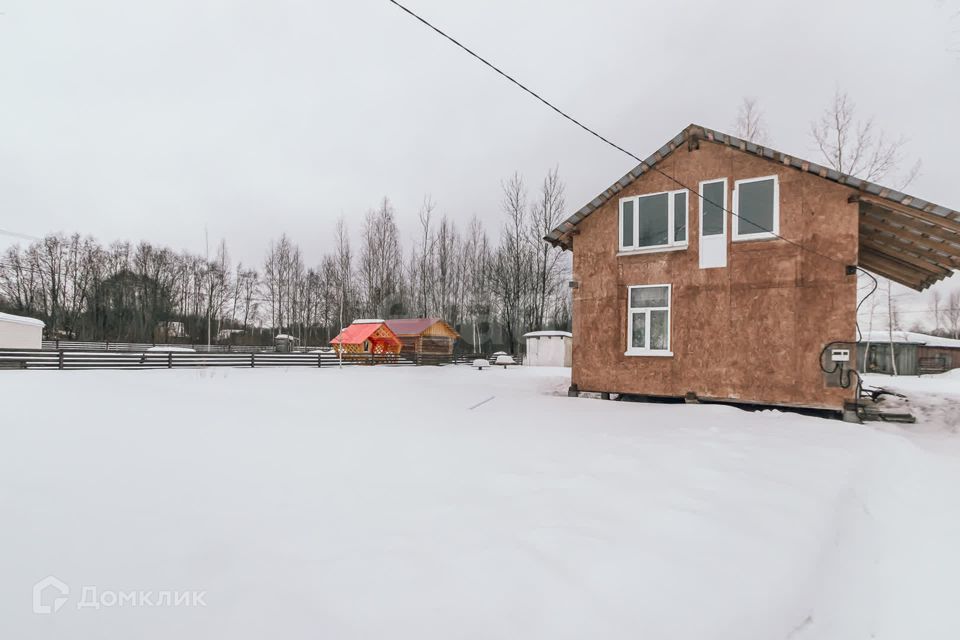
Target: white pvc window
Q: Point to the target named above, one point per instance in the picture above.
(648, 320)
(653, 221)
(756, 205)
(713, 202)
(713, 223)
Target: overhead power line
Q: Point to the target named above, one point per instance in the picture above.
(600, 137)
(15, 234)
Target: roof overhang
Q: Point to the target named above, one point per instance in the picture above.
(903, 238)
(916, 248)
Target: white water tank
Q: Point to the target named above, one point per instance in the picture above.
(549, 348)
(19, 332)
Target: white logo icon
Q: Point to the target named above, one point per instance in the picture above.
(55, 584)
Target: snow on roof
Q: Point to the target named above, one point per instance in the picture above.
(548, 334)
(9, 317)
(909, 337)
(368, 321)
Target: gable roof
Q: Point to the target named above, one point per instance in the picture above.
(357, 332)
(415, 326)
(411, 326)
(902, 237)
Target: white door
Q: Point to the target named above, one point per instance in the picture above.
(713, 223)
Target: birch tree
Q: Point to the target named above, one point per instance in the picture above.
(750, 123)
(857, 147)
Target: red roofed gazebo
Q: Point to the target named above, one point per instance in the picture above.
(365, 337)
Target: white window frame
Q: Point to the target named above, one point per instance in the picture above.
(672, 244)
(756, 235)
(723, 204)
(637, 351)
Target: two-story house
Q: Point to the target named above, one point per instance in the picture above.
(722, 270)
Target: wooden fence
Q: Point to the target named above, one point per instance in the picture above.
(69, 359)
(71, 345)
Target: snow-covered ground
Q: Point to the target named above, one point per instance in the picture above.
(934, 400)
(455, 503)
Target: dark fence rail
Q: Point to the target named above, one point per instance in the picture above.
(71, 359)
(72, 345)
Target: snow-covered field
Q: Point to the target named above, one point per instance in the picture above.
(396, 503)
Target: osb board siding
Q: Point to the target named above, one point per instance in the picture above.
(751, 331)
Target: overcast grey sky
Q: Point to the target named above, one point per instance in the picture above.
(150, 120)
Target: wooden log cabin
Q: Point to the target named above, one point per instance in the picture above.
(424, 336)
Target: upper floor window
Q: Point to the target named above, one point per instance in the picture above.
(756, 208)
(653, 221)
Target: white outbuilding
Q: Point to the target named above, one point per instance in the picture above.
(20, 332)
(549, 348)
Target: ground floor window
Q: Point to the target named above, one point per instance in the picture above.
(648, 320)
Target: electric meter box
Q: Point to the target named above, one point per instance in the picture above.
(840, 355)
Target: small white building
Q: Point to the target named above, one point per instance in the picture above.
(20, 332)
(549, 348)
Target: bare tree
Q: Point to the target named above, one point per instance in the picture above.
(951, 314)
(422, 276)
(142, 292)
(935, 299)
(548, 262)
(512, 268)
(381, 260)
(277, 271)
(750, 123)
(343, 264)
(856, 147)
(891, 321)
(446, 243)
(477, 266)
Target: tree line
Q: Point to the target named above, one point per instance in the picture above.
(491, 291)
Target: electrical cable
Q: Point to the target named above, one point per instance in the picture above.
(16, 234)
(612, 144)
(600, 137)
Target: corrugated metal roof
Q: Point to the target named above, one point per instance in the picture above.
(909, 337)
(560, 235)
(416, 326)
(411, 326)
(358, 332)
